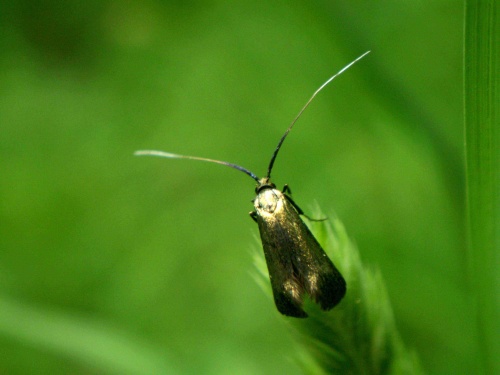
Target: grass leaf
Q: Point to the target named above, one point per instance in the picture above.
(358, 336)
(482, 108)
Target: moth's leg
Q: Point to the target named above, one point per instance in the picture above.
(253, 215)
(310, 218)
(299, 210)
(286, 189)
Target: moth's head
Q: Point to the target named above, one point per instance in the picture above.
(264, 183)
(268, 201)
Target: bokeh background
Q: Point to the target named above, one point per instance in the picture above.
(114, 264)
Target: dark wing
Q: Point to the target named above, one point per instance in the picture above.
(321, 279)
(297, 264)
(288, 288)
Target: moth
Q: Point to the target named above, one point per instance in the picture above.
(297, 264)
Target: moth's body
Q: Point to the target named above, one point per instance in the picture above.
(296, 262)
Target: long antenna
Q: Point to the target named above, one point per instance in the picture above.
(273, 158)
(175, 156)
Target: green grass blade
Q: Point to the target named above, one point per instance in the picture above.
(359, 336)
(89, 343)
(482, 122)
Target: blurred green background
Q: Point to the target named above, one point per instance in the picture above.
(115, 264)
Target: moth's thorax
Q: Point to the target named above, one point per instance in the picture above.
(268, 201)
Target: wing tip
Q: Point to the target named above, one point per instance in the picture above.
(330, 292)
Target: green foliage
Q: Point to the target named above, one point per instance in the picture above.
(90, 343)
(482, 120)
(151, 254)
(358, 336)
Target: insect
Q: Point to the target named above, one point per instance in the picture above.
(297, 264)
